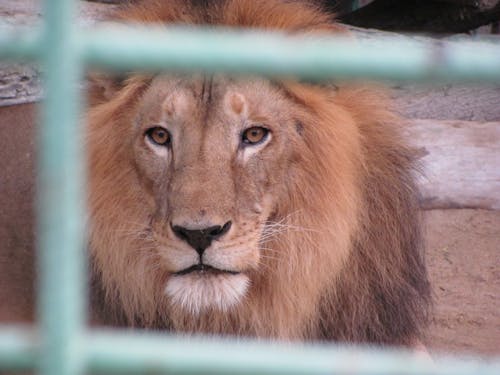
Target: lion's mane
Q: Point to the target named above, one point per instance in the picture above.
(358, 274)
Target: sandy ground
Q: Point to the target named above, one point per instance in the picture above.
(463, 254)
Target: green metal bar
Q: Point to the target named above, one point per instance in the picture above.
(126, 353)
(276, 54)
(61, 199)
(18, 348)
(19, 44)
(216, 50)
(117, 352)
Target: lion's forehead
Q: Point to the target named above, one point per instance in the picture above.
(201, 98)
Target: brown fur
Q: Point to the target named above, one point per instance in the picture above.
(349, 265)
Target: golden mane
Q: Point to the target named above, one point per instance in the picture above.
(357, 274)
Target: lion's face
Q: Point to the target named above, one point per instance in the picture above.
(211, 159)
(251, 207)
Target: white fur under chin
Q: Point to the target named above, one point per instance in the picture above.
(196, 293)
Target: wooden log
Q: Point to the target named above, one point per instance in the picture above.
(19, 83)
(461, 163)
(448, 101)
(29, 12)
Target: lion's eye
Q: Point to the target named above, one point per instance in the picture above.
(254, 135)
(159, 136)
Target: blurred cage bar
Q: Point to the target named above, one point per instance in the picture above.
(61, 343)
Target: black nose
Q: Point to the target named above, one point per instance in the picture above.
(200, 239)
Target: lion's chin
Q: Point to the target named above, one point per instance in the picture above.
(198, 292)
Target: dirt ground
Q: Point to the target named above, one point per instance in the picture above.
(463, 254)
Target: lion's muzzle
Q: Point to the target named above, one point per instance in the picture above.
(200, 239)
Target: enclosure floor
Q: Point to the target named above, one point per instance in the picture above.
(463, 254)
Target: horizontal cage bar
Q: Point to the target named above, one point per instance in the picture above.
(121, 47)
(139, 352)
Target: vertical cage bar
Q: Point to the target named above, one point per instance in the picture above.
(61, 199)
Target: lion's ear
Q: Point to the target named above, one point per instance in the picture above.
(102, 87)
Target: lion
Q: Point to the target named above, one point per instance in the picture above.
(253, 207)
(248, 206)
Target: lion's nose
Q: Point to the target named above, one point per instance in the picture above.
(200, 239)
